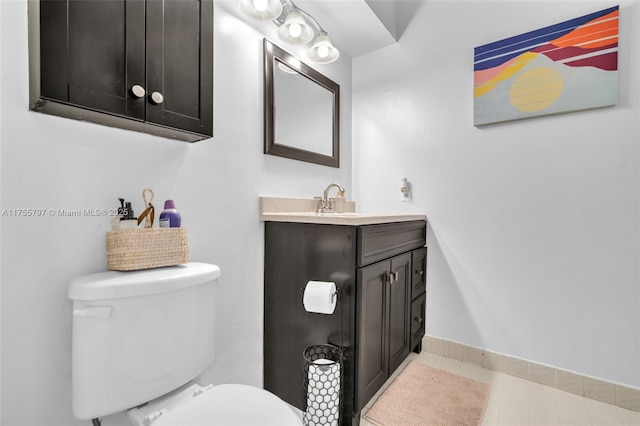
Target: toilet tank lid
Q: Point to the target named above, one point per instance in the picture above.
(115, 285)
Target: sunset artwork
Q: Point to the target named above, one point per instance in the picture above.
(569, 66)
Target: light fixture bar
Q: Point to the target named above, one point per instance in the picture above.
(296, 26)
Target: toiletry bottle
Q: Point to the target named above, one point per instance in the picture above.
(170, 218)
(128, 221)
(338, 204)
(115, 222)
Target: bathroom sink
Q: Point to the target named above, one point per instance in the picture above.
(350, 218)
(303, 211)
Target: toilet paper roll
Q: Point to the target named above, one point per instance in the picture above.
(320, 297)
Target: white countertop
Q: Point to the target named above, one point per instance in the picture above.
(293, 210)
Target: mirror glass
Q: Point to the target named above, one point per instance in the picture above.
(301, 110)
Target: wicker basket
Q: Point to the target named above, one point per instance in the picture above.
(145, 248)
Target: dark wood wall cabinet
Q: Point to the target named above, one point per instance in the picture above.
(144, 65)
(380, 273)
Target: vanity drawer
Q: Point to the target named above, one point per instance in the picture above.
(378, 242)
(418, 272)
(418, 311)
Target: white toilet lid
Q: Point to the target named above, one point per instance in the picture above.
(231, 405)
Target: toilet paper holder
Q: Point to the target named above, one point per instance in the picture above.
(334, 299)
(323, 369)
(320, 297)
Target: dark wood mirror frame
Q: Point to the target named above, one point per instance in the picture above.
(272, 55)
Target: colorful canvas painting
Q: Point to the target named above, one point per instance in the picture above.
(569, 66)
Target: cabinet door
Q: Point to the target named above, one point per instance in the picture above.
(398, 310)
(180, 64)
(372, 346)
(92, 53)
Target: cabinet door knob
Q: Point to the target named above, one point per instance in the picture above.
(397, 275)
(138, 91)
(157, 98)
(391, 278)
(420, 272)
(419, 319)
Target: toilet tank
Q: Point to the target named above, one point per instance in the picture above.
(139, 335)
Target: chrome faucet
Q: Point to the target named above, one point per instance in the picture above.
(326, 204)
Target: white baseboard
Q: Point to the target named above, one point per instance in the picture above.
(590, 387)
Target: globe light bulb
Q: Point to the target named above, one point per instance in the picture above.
(295, 30)
(323, 51)
(261, 10)
(261, 5)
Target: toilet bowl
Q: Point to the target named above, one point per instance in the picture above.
(139, 336)
(221, 405)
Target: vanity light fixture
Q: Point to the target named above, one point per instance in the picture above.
(295, 26)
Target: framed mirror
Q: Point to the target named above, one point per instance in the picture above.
(301, 110)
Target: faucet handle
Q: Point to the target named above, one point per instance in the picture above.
(330, 205)
(324, 205)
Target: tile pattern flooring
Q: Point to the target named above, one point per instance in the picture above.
(518, 402)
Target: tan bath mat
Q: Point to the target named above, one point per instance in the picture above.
(423, 395)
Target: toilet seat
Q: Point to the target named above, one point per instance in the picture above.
(231, 404)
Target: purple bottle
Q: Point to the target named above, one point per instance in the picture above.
(170, 218)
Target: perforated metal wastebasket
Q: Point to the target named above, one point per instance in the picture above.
(322, 384)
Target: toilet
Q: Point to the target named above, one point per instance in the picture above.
(141, 338)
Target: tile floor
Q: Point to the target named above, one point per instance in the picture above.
(516, 402)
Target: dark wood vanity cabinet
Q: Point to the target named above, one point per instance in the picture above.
(379, 271)
(140, 64)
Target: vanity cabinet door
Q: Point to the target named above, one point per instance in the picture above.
(383, 342)
(398, 310)
(372, 331)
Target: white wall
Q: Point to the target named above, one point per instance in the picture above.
(534, 225)
(51, 162)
